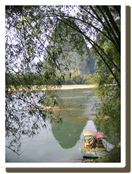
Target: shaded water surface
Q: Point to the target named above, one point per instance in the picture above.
(43, 141)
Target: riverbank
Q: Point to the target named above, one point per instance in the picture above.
(63, 87)
(66, 87)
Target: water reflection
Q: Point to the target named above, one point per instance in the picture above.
(68, 133)
(77, 107)
(90, 126)
(21, 120)
(25, 126)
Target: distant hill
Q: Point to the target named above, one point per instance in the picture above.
(82, 64)
(67, 48)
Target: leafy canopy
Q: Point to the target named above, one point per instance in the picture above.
(34, 43)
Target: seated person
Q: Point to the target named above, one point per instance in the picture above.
(89, 143)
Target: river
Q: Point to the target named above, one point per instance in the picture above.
(40, 140)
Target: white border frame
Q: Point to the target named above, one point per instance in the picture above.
(123, 89)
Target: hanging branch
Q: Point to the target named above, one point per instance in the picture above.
(12, 150)
(77, 29)
(106, 9)
(107, 28)
(94, 45)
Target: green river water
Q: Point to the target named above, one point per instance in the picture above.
(60, 142)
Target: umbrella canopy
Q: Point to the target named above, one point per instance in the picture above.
(99, 135)
(88, 133)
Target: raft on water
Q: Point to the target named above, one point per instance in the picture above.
(94, 144)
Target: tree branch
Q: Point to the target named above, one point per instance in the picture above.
(93, 43)
(12, 150)
(109, 30)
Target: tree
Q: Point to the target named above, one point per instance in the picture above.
(35, 38)
(35, 25)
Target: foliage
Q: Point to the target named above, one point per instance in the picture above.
(77, 78)
(38, 26)
(108, 112)
(38, 40)
(114, 156)
(109, 108)
(31, 79)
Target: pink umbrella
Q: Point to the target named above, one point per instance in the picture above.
(100, 135)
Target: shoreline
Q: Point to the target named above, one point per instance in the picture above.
(66, 87)
(63, 87)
